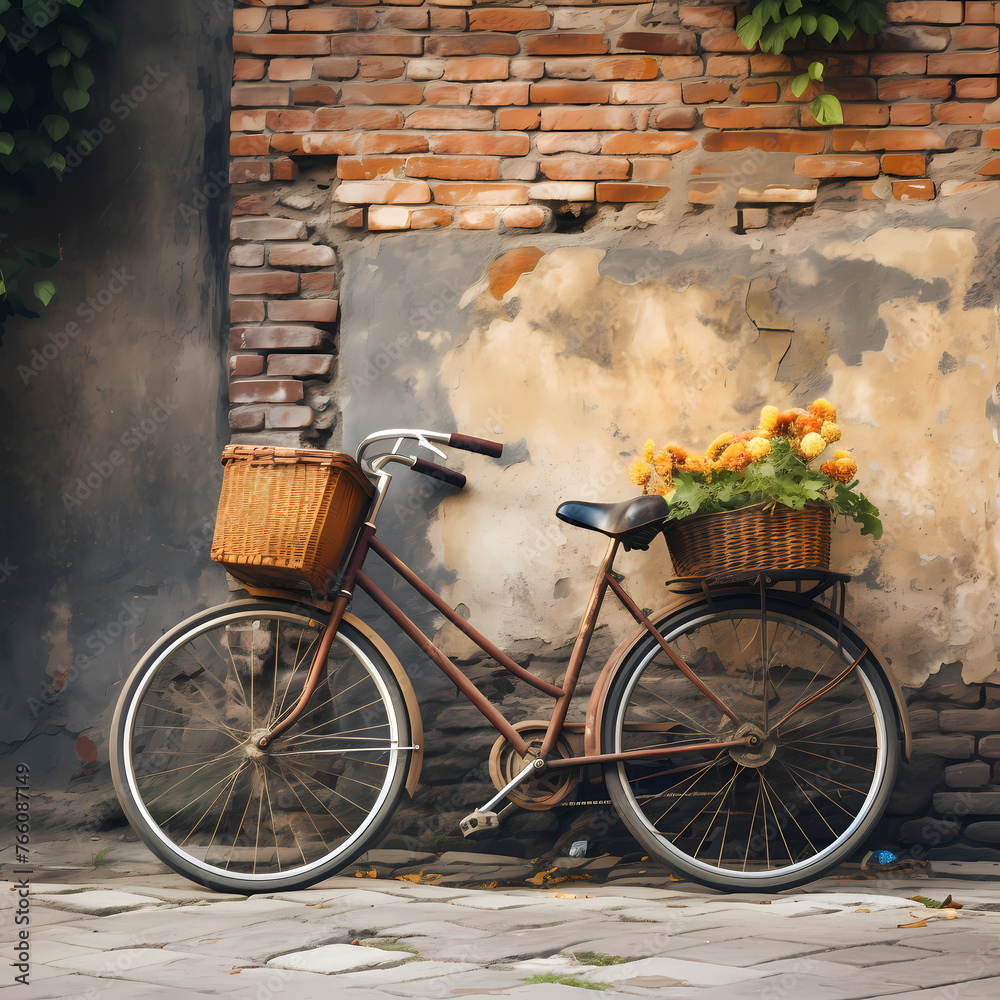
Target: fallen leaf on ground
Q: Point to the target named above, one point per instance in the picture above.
(916, 923)
(862, 911)
(371, 873)
(935, 904)
(421, 877)
(565, 895)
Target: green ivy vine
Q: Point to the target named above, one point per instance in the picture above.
(773, 23)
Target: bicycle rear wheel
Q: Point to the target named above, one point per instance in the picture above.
(211, 805)
(793, 807)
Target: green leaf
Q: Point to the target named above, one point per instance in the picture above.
(75, 99)
(748, 31)
(59, 56)
(6, 143)
(815, 71)
(45, 291)
(37, 256)
(6, 97)
(793, 24)
(32, 146)
(56, 126)
(809, 24)
(828, 27)
(773, 38)
(104, 30)
(799, 84)
(826, 110)
(83, 75)
(55, 161)
(75, 39)
(791, 6)
(4, 5)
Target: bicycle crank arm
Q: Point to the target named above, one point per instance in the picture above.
(484, 818)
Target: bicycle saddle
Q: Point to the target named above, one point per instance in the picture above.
(634, 522)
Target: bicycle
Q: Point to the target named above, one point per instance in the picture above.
(748, 737)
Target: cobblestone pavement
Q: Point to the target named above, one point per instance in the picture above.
(474, 925)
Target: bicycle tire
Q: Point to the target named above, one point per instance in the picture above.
(234, 818)
(812, 791)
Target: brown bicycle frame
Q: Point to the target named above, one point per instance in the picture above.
(562, 695)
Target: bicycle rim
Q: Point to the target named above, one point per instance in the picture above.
(769, 817)
(214, 807)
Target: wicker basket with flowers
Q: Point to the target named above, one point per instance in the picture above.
(754, 500)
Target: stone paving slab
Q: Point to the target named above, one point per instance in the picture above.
(97, 902)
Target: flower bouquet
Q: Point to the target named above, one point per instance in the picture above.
(766, 499)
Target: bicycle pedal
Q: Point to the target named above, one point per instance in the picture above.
(477, 821)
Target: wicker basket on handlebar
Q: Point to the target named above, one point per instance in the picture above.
(752, 538)
(287, 516)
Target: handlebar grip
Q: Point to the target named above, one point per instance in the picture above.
(479, 445)
(439, 472)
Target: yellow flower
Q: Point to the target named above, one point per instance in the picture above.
(830, 432)
(811, 445)
(735, 457)
(719, 445)
(638, 473)
(759, 448)
(824, 409)
(840, 469)
(664, 464)
(769, 419)
(841, 454)
(647, 452)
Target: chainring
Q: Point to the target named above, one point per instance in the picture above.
(550, 787)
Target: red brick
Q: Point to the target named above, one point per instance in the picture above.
(245, 365)
(316, 94)
(303, 310)
(246, 418)
(322, 20)
(570, 68)
(565, 43)
(727, 66)
(248, 69)
(255, 204)
(931, 11)
(350, 119)
(290, 69)
(904, 164)
(759, 93)
(258, 390)
(584, 168)
(671, 118)
(477, 218)
(279, 20)
(509, 20)
(845, 88)
(263, 283)
(251, 20)
(837, 166)
(567, 142)
(570, 93)
(431, 118)
(353, 219)
(318, 281)
(771, 142)
(651, 92)
(519, 119)
(585, 119)
(496, 94)
(979, 12)
(366, 168)
(373, 45)
(835, 65)
(259, 95)
(721, 40)
(290, 121)
(703, 93)
(679, 67)
(523, 216)
(246, 255)
(381, 93)
(666, 43)
(640, 143)
(976, 88)
(405, 20)
(914, 38)
(301, 255)
(287, 417)
(480, 194)
(249, 171)
(380, 68)
(336, 67)
(284, 170)
(954, 113)
(991, 138)
(898, 63)
(248, 145)
(749, 117)
(563, 191)
(247, 311)
(247, 121)
(267, 229)
(449, 93)
(527, 69)
(480, 144)
(922, 190)
(626, 68)
(928, 88)
(482, 68)
(990, 169)
(854, 114)
(651, 171)
(383, 192)
(448, 19)
(765, 64)
(472, 45)
(429, 218)
(910, 114)
(963, 63)
(974, 36)
(281, 45)
(302, 365)
(282, 338)
(848, 140)
(626, 192)
(708, 16)
(468, 168)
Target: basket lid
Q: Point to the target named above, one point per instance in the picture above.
(262, 454)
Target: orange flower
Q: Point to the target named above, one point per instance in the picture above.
(735, 457)
(840, 469)
(824, 409)
(664, 464)
(638, 473)
(719, 445)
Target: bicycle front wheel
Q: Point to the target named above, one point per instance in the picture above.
(770, 816)
(220, 811)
